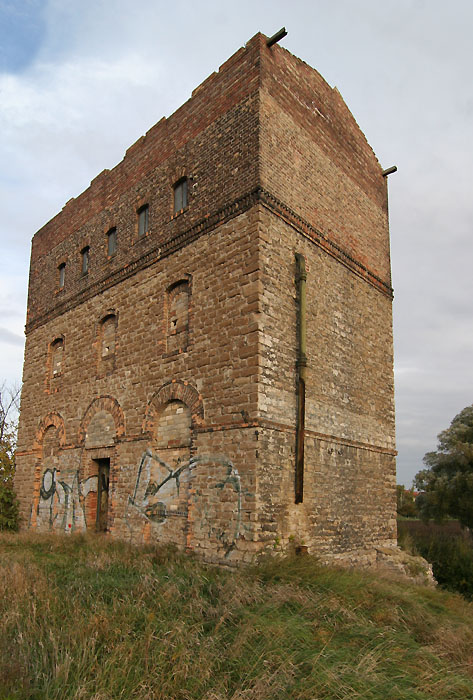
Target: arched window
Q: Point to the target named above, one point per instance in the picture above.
(56, 363)
(174, 430)
(177, 306)
(162, 486)
(49, 510)
(107, 344)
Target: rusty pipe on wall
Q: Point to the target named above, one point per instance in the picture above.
(301, 366)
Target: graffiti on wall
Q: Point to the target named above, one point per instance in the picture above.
(208, 501)
(61, 502)
(158, 488)
(219, 517)
(198, 501)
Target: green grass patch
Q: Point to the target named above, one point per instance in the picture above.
(88, 618)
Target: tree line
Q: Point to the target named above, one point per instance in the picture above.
(9, 409)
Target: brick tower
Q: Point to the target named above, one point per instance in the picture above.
(209, 334)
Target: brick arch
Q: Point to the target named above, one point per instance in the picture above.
(52, 419)
(103, 403)
(102, 317)
(178, 173)
(174, 390)
(185, 279)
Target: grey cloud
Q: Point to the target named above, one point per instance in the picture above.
(84, 101)
(7, 336)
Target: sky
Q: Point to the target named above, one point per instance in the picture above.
(81, 81)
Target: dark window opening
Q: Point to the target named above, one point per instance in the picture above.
(103, 483)
(85, 259)
(143, 220)
(62, 275)
(112, 241)
(180, 195)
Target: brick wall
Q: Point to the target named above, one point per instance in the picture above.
(178, 359)
(316, 160)
(219, 363)
(212, 140)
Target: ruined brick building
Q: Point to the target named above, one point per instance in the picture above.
(209, 334)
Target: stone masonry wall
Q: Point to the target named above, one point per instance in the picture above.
(169, 366)
(316, 161)
(321, 179)
(349, 477)
(121, 415)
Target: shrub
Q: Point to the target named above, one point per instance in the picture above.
(452, 563)
(406, 505)
(8, 507)
(447, 547)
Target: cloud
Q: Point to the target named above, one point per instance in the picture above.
(7, 336)
(100, 74)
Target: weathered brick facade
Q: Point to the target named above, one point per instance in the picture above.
(161, 393)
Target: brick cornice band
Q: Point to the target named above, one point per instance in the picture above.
(226, 213)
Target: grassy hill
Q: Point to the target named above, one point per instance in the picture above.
(87, 618)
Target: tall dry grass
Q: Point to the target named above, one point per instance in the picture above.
(87, 618)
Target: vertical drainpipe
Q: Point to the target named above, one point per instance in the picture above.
(301, 365)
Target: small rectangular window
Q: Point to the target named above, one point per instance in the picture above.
(180, 195)
(62, 275)
(85, 259)
(112, 241)
(143, 220)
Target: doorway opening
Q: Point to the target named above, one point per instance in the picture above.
(103, 482)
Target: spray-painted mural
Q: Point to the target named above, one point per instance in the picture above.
(198, 502)
(194, 501)
(61, 502)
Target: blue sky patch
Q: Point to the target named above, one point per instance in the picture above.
(22, 30)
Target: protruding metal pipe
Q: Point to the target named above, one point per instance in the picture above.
(301, 365)
(390, 170)
(276, 37)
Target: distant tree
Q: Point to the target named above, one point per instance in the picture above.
(9, 406)
(406, 504)
(447, 483)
